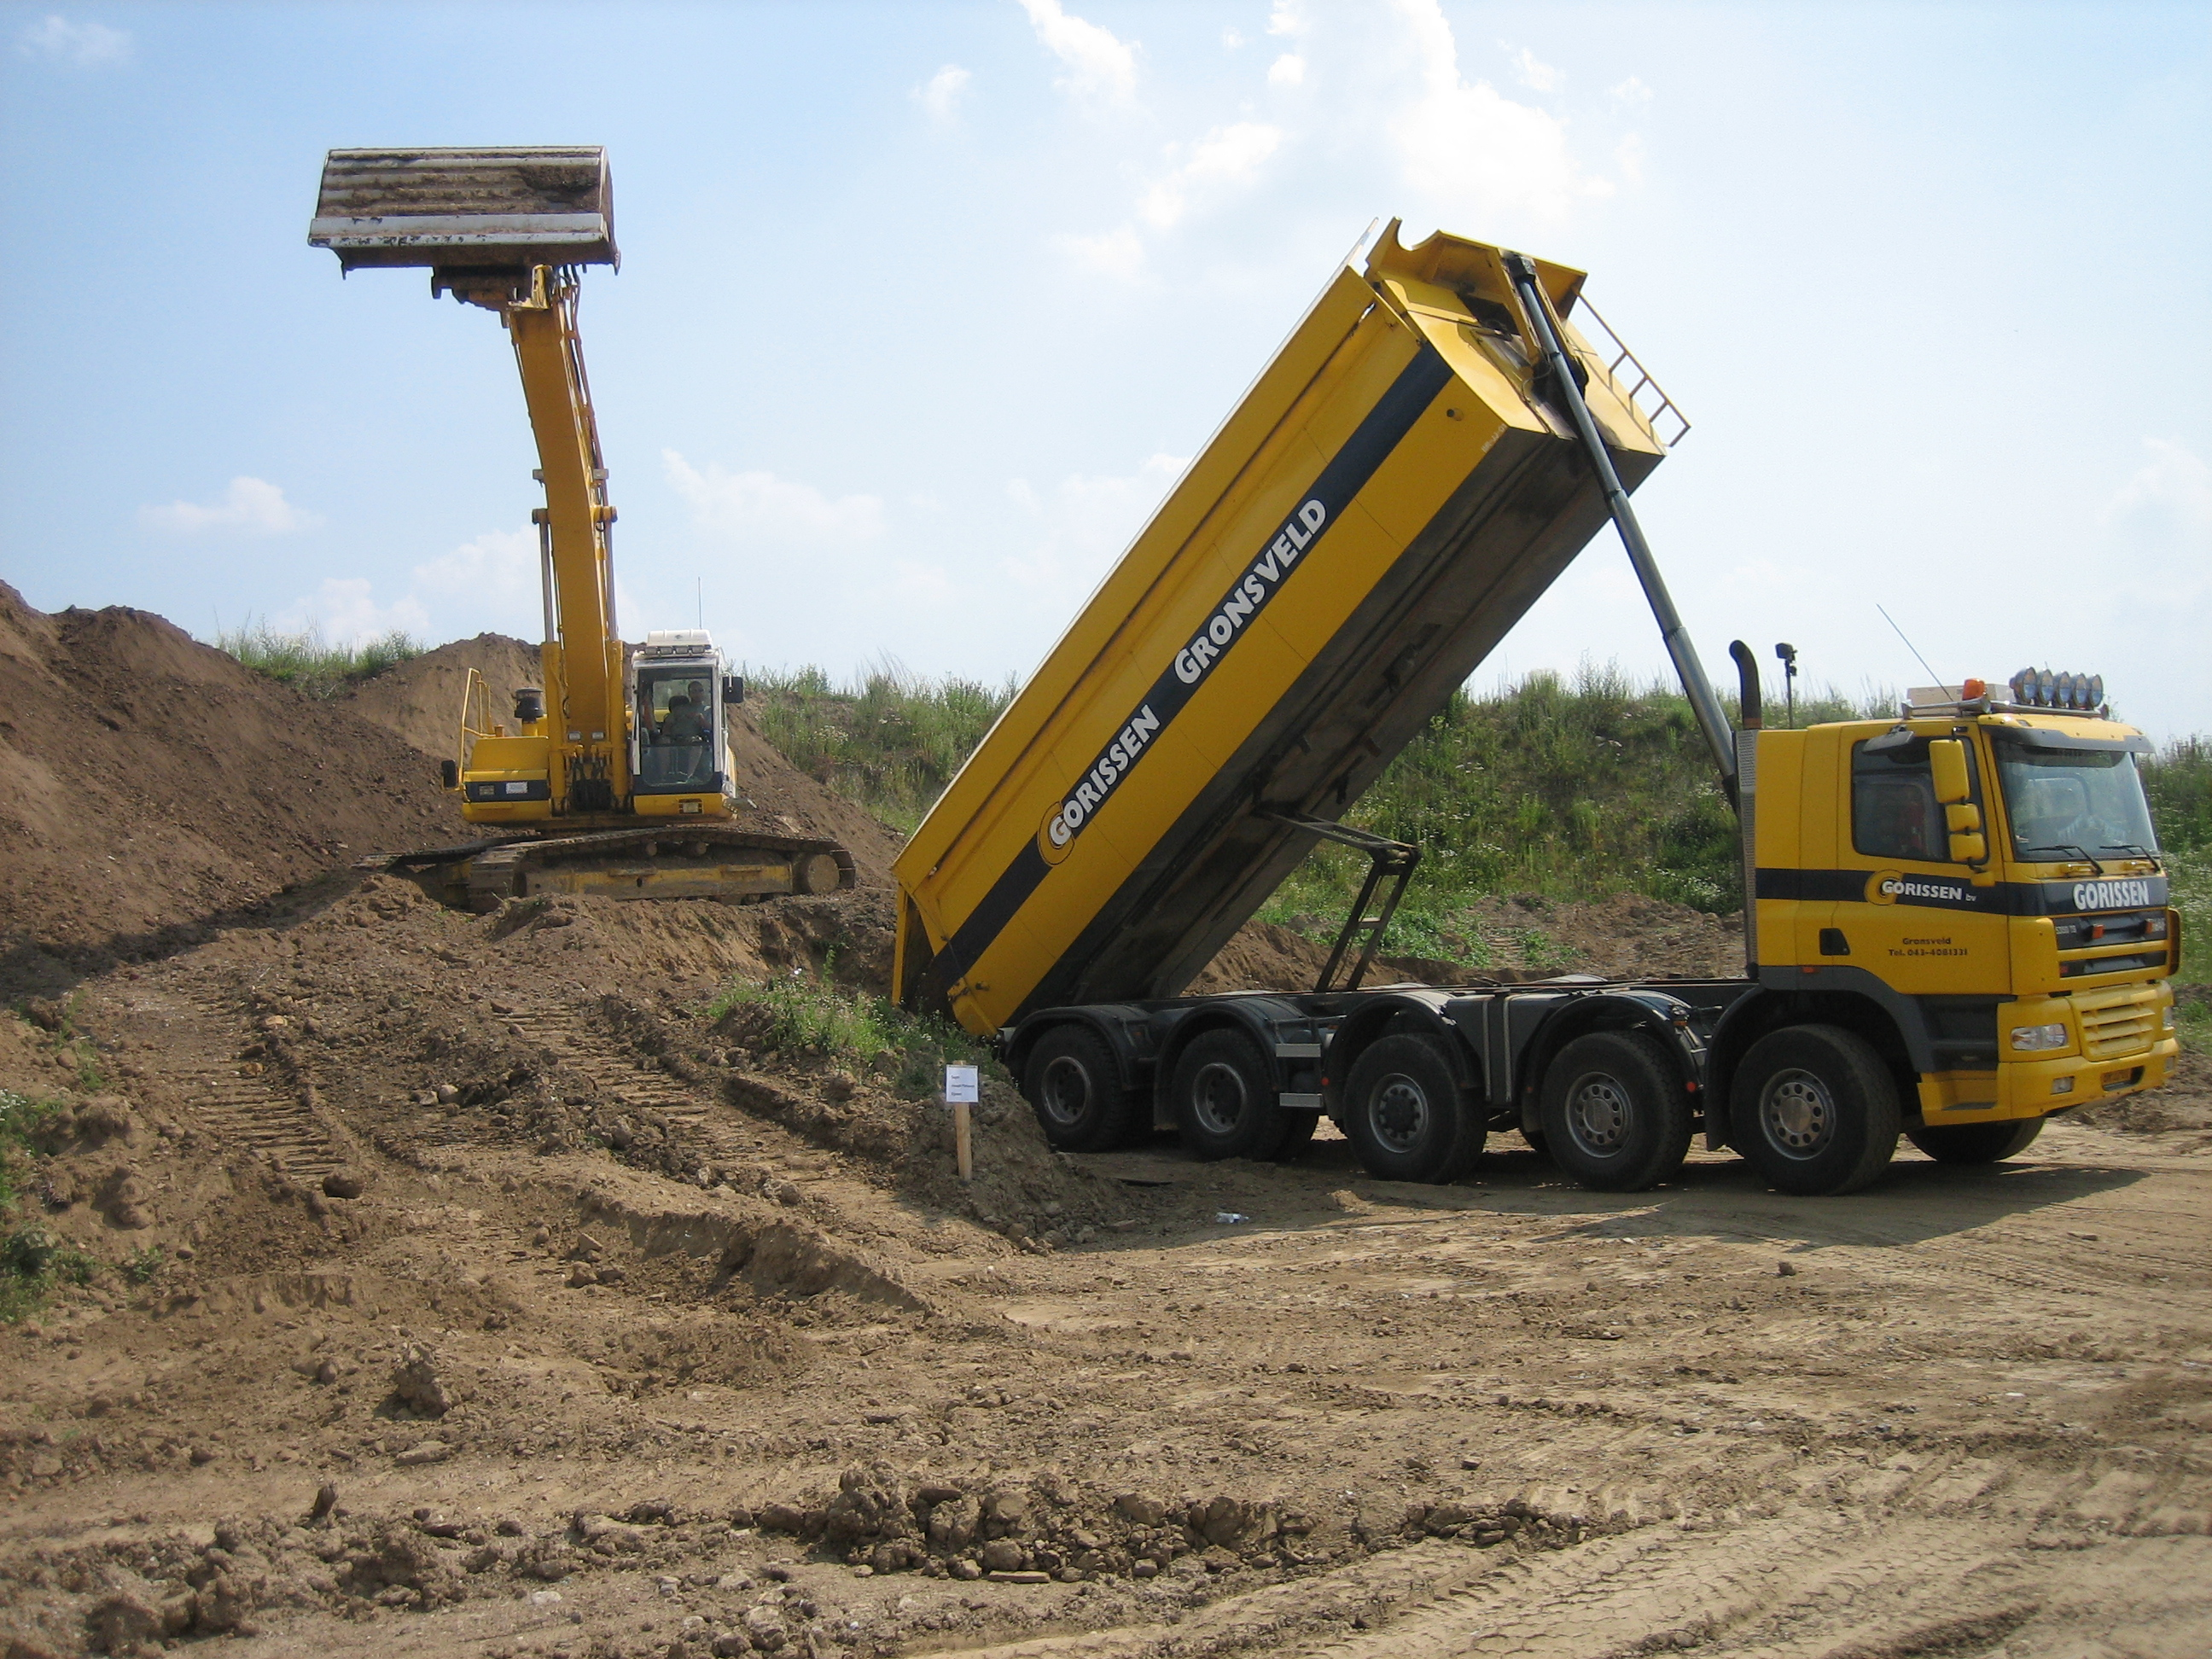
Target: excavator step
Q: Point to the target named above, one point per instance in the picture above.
(499, 211)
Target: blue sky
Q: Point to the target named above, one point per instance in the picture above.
(923, 306)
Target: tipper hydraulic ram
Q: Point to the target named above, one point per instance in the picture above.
(1957, 921)
(616, 777)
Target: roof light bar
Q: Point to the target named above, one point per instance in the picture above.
(2038, 688)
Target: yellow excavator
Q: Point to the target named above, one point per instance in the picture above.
(616, 776)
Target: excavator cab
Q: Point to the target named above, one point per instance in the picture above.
(682, 736)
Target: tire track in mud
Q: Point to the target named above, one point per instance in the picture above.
(238, 1100)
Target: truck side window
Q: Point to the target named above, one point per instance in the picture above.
(1894, 810)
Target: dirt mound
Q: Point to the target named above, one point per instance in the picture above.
(781, 791)
(420, 700)
(150, 783)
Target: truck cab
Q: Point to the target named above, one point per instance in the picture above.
(1975, 887)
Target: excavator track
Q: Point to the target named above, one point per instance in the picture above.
(670, 860)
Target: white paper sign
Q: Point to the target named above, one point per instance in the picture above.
(960, 1085)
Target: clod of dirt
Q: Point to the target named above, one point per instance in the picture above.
(343, 1182)
(416, 1383)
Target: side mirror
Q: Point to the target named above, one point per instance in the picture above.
(1968, 848)
(1946, 759)
(733, 688)
(449, 774)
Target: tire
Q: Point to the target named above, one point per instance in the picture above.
(1975, 1143)
(1224, 1094)
(1614, 1112)
(1074, 1086)
(1298, 1134)
(1814, 1110)
(1404, 1114)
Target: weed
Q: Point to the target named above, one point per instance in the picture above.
(304, 661)
(31, 1258)
(891, 740)
(798, 1015)
(143, 1265)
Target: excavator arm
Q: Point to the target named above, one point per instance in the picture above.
(586, 711)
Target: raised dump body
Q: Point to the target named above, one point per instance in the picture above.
(1391, 495)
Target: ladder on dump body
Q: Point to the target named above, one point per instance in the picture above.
(1389, 863)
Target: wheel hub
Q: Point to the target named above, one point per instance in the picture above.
(1066, 1090)
(1798, 1113)
(1600, 1111)
(1217, 1098)
(1399, 1113)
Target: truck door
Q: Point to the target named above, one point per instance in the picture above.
(1924, 924)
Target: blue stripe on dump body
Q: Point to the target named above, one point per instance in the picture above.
(1282, 555)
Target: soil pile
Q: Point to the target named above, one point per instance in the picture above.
(150, 783)
(420, 700)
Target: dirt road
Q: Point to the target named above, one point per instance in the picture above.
(640, 1338)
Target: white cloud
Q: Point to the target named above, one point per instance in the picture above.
(91, 44)
(1229, 156)
(940, 97)
(1628, 156)
(759, 507)
(251, 505)
(499, 566)
(1232, 39)
(1533, 72)
(1083, 526)
(1287, 17)
(1098, 61)
(2166, 503)
(1631, 92)
(1118, 253)
(344, 612)
(1473, 151)
(1288, 70)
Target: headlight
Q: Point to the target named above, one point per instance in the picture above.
(2031, 1038)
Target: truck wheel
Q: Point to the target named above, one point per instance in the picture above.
(1074, 1086)
(1975, 1143)
(1403, 1113)
(1224, 1098)
(1815, 1109)
(1614, 1114)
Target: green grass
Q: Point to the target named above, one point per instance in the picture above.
(1565, 788)
(891, 740)
(32, 1260)
(306, 663)
(801, 1015)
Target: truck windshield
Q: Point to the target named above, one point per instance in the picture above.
(2080, 801)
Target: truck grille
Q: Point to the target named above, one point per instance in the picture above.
(2121, 1021)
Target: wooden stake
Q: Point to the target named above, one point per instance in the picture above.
(963, 1140)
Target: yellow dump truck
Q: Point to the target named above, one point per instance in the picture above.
(1959, 921)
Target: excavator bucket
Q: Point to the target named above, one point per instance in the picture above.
(467, 214)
